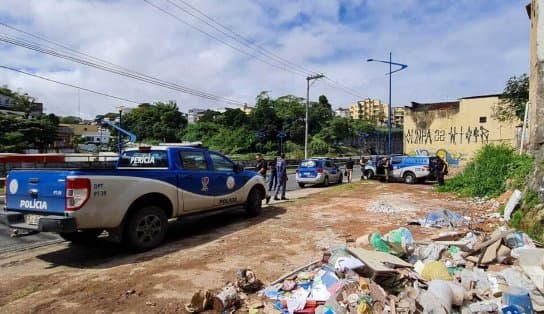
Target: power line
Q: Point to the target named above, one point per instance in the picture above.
(328, 80)
(237, 37)
(247, 43)
(223, 41)
(69, 85)
(119, 71)
(348, 90)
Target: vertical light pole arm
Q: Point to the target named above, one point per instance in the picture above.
(306, 119)
(389, 144)
(389, 107)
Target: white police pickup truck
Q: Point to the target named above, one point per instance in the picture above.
(410, 169)
(134, 201)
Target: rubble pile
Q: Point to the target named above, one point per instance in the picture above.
(462, 268)
(382, 207)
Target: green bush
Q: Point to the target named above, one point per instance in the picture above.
(488, 172)
(515, 221)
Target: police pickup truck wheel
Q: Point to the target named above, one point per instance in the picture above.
(301, 185)
(340, 179)
(254, 202)
(81, 237)
(369, 174)
(146, 228)
(409, 178)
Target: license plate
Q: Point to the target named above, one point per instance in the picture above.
(32, 219)
(306, 174)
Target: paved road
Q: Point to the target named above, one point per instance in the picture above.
(10, 244)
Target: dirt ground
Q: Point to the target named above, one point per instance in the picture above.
(205, 253)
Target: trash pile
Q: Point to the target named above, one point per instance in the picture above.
(462, 268)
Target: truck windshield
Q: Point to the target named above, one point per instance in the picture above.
(144, 159)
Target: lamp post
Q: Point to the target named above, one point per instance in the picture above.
(281, 135)
(119, 136)
(308, 79)
(360, 135)
(402, 67)
(260, 135)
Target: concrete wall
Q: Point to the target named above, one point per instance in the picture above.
(455, 130)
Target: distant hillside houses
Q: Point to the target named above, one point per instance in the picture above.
(6, 107)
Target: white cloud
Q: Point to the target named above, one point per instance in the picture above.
(453, 49)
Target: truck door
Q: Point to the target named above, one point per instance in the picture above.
(397, 166)
(225, 181)
(194, 180)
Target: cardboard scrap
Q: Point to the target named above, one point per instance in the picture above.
(490, 254)
(379, 261)
(496, 236)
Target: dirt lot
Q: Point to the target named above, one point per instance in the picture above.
(205, 253)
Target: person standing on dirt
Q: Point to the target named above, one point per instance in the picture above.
(281, 173)
(362, 163)
(273, 179)
(440, 169)
(386, 167)
(349, 169)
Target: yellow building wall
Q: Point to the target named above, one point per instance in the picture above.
(456, 133)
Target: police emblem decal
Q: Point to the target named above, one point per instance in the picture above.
(230, 183)
(205, 181)
(13, 186)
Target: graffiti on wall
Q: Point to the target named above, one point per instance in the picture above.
(451, 158)
(455, 135)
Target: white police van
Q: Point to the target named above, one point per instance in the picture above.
(410, 169)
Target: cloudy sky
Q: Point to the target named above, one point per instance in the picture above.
(453, 49)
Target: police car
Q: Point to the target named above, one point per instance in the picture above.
(134, 201)
(410, 169)
(318, 170)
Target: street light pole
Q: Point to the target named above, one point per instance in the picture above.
(389, 144)
(119, 136)
(308, 79)
(389, 107)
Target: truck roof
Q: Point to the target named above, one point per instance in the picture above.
(165, 146)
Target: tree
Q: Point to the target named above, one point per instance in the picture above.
(320, 114)
(160, 122)
(70, 120)
(23, 103)
(234, 118)
(264, 118)
(512, 102)
(290, 111)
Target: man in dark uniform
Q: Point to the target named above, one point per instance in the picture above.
(440, 167)
(349, 169)
(260, 168)
(261, 165)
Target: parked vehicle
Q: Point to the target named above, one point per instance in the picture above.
(410, 169)
(318, 171)
(134, 201)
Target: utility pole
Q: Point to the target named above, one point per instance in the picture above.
(308, 79)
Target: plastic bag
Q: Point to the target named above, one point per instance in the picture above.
(397, 242)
